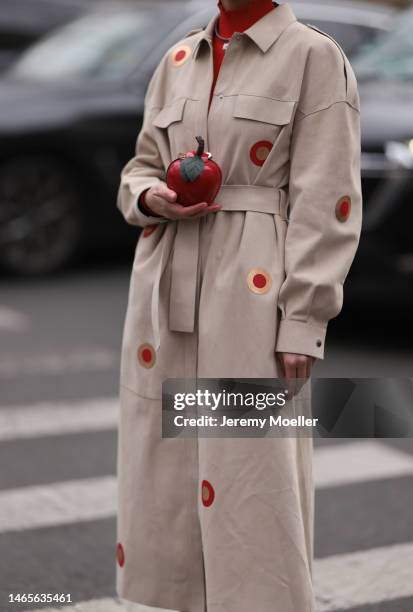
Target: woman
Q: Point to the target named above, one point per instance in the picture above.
(243, 288)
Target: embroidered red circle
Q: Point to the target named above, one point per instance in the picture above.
(259, 281)
(180, 55)
(146, 355)
(208, 493)
(120, 555)
(343, 208)
(149, 229)
(260, 151)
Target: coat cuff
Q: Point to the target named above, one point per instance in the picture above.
(142, 218)
(143, 207)
(301, 338)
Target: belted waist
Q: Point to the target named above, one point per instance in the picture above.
(184, 271)
(254, 198)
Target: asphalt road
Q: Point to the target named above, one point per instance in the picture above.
(59, 361)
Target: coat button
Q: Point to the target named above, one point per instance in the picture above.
(260, 151)
(146, 355)
(319, 343)
(207, 493)
(259, 281)
(120, 555)
(343, 208)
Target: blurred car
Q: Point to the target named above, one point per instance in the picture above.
(352, 24)
(384, 72)
(70, 112)
(24, 21)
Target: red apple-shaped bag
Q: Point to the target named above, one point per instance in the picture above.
(194, 176)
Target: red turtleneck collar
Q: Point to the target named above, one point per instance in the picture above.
(241, 19)
(236, 21)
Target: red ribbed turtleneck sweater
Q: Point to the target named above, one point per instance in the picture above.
(236, 20)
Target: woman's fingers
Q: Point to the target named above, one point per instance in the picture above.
(178, 211)
(183, 212)
(310, 363)
(295, 370)
(167, 194)
(210, 209)
(302, 362)
(290, 369)
(163, 201)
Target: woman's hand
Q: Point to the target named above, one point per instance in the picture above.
(295, 369)
(163, 201)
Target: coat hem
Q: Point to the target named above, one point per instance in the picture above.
(146, 602)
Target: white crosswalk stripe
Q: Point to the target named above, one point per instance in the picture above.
(354, 462)
(366, 577)
(57, 504)
(55, 364)
(95, 498)
(55, 418)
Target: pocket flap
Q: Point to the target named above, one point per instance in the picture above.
(267, 110)
(169, 114)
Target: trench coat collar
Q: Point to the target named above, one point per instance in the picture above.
(263, 32)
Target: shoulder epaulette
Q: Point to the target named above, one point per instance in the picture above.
(194, 31)
(351, 87)
(313, 27)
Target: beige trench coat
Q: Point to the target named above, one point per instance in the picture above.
(218, 296)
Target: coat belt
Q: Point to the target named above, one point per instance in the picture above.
(185, 256)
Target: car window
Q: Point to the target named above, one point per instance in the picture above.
(100, 47)
(391, 56)
(349, 36)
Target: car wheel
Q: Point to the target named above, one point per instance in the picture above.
(40, 215)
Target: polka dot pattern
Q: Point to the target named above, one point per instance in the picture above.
(343, 208)
(180, 54)
(120, 555)
(259, 281)
(207, 493)
(146, 355)
(260, 151)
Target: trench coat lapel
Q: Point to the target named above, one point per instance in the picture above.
(263, 32)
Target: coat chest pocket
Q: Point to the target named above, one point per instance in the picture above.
(262, 125)
(263, 110)
(262, 118)
(178, 120)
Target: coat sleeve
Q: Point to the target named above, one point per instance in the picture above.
(325, 204)
(147, 167)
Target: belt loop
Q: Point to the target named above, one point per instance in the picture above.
(284, 204)
(155, 295)
(184, 276)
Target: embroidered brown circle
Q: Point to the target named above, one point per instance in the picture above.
(260, 151)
